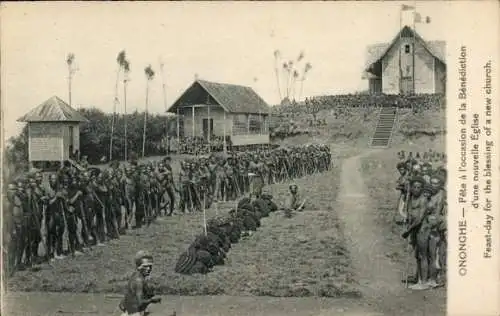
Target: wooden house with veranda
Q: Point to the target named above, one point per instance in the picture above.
(53, 132)
(210, 109)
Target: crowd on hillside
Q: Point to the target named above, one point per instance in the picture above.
(80, 208)
(419, 102)
(422, 210)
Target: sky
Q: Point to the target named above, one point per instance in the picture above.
(229, 42)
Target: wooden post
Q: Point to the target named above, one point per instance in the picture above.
(193, 120)
(260, 122)
(209, 126)
(145, 121)
(167, 138)
(248, 124)
(29, 141)
(204, 214)
(414, 47)
(125, 115)
(224, 125)
(115, 101)
(399, 52)
(178, 130)
(62, 147)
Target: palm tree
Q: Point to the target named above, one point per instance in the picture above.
(289, 80)
(149, 76)
(276, 61)
(307, 68)
(296, 74)
(124, 65)
(120, 59)
(71, 71)
(294, 80)
(286, 69)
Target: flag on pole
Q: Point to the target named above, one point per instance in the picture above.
(417, 18)
(405, 7)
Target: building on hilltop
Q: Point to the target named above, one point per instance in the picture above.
(407, 65)
(207, 109)
(53, 131)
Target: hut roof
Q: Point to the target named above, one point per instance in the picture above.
(53, 110)
(376, 52)
(232, 98)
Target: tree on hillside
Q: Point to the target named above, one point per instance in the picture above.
(125, 66)
(277, 57)
(296, 74)
(292, 75)
(120, 58)
(148, 71)
(71, 71)
(294, 81)
(307, 68)
(288, 67)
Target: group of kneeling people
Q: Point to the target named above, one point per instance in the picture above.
(207, 250)
(210, 248)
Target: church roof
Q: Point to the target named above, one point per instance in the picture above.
(53, 110)
(232, 98)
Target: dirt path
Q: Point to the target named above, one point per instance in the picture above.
(376, 275)
(380, 278)
(73, 304)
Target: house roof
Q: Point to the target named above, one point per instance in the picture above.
(53, 110)
(232, 98)
(376, 52)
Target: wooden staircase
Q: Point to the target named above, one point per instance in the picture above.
(385, 127)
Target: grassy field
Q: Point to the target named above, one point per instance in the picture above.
(301, 256)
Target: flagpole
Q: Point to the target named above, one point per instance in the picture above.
(224, 132)
(209, 127)
(178, 129)
(166, 107)
(399, 61)
(414, 44)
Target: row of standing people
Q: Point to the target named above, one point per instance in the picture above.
(422, 209)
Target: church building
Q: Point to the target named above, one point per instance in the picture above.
(406, 65)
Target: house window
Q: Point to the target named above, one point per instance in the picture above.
(408, 70)
(407, 49)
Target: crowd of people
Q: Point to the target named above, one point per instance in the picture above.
(422, 210)
(80, 208)
(201, 145)
(418, 102)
